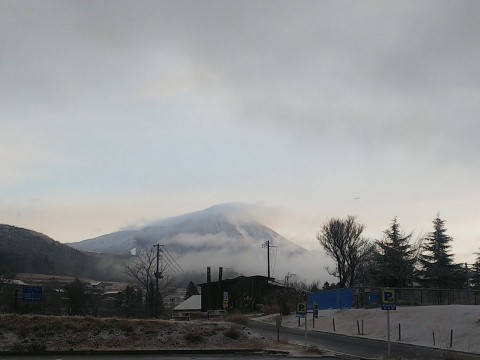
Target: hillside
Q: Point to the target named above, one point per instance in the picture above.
(27, 251)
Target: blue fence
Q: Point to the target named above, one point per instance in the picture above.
(372, 298)
(332, 299)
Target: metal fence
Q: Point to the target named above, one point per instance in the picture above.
(419, 296)
(331, 299)
(370, 297)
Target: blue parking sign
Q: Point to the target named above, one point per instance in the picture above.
(389, 302)
(301, 309)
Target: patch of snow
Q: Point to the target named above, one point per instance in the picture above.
(418, 324)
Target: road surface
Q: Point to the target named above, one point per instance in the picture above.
(156, 357)
(352, 346)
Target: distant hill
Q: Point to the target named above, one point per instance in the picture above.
(223, 235)
(27, 251)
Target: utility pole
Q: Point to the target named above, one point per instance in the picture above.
(267, 245)
(158, 275)
(287, 279)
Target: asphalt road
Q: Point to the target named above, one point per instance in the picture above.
(153, 357)
(351, 346)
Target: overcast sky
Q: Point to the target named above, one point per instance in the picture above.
(115, 113)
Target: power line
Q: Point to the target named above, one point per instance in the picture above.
(274, 260)
(174, 265)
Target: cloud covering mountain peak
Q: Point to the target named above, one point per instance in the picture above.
(223, 235)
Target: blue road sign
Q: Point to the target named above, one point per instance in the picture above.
(32, 293)
(389, 302)
(301, 309)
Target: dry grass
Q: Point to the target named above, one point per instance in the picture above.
(26, 333)
(238, 319)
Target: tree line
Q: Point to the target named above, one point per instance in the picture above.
(396, 259)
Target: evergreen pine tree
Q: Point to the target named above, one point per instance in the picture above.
(191, 290)
(438, 269)
(394, 259)
(76, 297)
(476, 273)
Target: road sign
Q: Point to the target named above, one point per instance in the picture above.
(389, 301)
(225, 299)
(32, 293)
(301, 309)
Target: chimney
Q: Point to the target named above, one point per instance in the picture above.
(208, 295)
(218, 303)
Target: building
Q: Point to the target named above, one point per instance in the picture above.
(191, 306)
(241, 294)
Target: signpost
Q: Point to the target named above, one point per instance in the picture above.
(389, 302)
(388, 299)
(32, 293)
(301, 309)
(302, 313)
(278, 323)
(225, 300)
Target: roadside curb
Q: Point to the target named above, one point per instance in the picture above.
(146, 352)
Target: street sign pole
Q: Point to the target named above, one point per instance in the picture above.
(306, 321)
(388, 333)
(389, 302)
(278, 322)
(303, 313)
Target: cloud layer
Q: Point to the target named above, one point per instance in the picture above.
(134, 111)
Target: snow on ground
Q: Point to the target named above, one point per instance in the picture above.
(418, 323)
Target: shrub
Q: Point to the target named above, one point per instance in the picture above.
(233, 332)
(34, 346)
(239, 319)
(37, 346)
(194, 336)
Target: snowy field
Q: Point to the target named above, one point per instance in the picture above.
(418, 324)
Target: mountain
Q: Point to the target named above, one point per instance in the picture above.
(224, 235)
(27, 251)
(222, 227)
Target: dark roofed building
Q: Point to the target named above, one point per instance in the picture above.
(245, 294)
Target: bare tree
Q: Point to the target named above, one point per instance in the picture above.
(144, 270)
(342, 241)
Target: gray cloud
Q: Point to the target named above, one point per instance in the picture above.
(347, 69)
(388, 91)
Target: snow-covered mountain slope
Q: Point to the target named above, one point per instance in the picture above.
(225, 228)
(224, 235)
